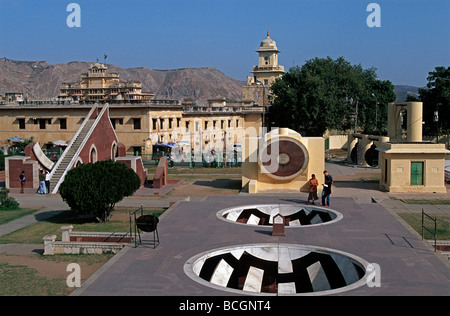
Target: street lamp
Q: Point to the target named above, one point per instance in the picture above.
(436, 120)
(376, 111)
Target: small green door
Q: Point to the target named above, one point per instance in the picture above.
(416, 173)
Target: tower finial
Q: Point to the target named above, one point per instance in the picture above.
(267, 32)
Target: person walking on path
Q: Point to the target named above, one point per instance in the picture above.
(327, 189)
(41, 182)
(313, 183)
(47, 181)
(22, 179)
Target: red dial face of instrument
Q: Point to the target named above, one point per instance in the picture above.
(288, 161)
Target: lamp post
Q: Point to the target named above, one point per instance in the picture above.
(376, 111)
(356, 116)
(436, 120)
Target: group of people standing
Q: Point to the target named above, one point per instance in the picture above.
(44, 182)
(326, 192)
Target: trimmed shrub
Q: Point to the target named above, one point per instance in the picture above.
(95, 188)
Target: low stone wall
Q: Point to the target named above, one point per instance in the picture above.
(442, 246)
(85, 242)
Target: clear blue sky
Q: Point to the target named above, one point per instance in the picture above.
(413, 39)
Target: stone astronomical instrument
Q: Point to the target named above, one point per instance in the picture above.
(283, 158)
(294, 215)
(147, 223)
(278, 269)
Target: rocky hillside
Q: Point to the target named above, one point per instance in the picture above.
(40, 80)
(402, 91)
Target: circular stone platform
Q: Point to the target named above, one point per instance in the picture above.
(278, 269)
(294, 215)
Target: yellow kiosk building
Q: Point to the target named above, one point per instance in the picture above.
(410, 165)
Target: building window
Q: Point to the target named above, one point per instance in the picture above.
(178, 122)
(137, 123)
(114, 151)
(137, 150)
(62, 123)
(93, 155)
(154, 124)
(43, 122)
(170, 123)
(116, 121)
(21, 123)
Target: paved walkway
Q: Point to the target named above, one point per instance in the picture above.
(355, 187)
(409, 266)
(351, 181)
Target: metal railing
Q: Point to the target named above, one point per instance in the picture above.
(431, 232)
(134, 230)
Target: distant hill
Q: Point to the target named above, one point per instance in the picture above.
(40, 80)
(402, 91)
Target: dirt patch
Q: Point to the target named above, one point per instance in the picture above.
(47, 268)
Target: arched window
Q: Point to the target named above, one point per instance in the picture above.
(93, 155)
(114, 151)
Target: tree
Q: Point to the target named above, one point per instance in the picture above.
(436, 97)
(327, 94)
(95, 188)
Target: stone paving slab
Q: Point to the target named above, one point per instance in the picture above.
(409, 266)
(369, 230)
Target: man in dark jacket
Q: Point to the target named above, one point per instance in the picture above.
(327, 188)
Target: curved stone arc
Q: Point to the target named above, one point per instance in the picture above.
(41, 157)
(343, 260)
(232, 214)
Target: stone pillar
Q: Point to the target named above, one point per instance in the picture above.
(414, 122)
(351, 144)
(48, 244)
(365, 143)
(394, 122)
(382, 139)
(66, 230)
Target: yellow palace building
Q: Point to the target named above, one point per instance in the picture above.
(138, 119)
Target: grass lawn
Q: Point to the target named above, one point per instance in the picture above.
(25, 281)
(10, 215)
(442, 224)
(39, 275)
(119, 222)
(423, 201)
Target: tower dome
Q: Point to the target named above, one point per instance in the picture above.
(268, 44)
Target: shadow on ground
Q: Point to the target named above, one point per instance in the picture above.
(230, 184)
